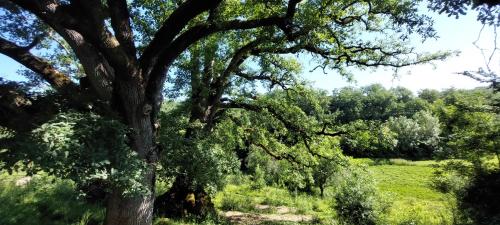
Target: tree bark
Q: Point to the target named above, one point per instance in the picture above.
(136, 110)
(138, 210)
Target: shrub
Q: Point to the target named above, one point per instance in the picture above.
(356, 199)
(258, 180)
(452, 177)
(236, 203)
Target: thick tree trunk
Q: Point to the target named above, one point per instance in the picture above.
(137, 111)
(130, 210)
(138, 210)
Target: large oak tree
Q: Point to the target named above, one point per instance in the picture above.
(112, 58)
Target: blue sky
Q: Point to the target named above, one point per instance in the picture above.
(455, 34)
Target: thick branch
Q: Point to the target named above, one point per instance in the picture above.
(171, 28)
(90, 16)
(22, 55)
(181, 43)
(120, 21)
(156, 69)
(22, 113)
(60, 18)
(240, 56)
(263, 77)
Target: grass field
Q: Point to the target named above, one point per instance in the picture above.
(405, 184)
(413, 199)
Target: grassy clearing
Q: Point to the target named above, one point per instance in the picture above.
(405, 184)
(409, 188)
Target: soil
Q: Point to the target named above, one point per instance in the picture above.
(280, 214)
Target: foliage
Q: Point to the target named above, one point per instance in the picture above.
(417, 137)
(478, 138)
(280, 173)
(452, 177)
(370, 139)
(124, 52)
(327, 171)
(469, 124)
(488, 9)
(374, 103)
(258, 180)
(205, 160)
(475, 191)
(479, 200)
(385, 123)
(85, 148)
(356, 200)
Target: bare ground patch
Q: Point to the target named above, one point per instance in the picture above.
(282, 214)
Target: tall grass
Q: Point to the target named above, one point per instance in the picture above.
(44, 200)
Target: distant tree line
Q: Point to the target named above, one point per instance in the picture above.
(432, 124)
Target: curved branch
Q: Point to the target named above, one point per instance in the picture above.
(288, 157)
(171, 28)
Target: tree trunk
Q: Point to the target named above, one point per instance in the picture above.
(182, 200)
(130, 210)
(137, 111)
(137, 210)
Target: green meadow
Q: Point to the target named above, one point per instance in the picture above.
(405, 187)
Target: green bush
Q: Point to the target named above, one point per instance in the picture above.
(357, 200)
(452, 176)
(258, 179)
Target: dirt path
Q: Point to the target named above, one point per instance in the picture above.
(282, 214)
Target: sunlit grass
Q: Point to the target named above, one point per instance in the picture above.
(245, 199)
(413, 199)
(44, 200)
(405, 184)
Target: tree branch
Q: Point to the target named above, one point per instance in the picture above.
(22, 55)
(60, 19)
(287, 157)
(120, 21)
(181, 43)
(91, 25)
(171, 28)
